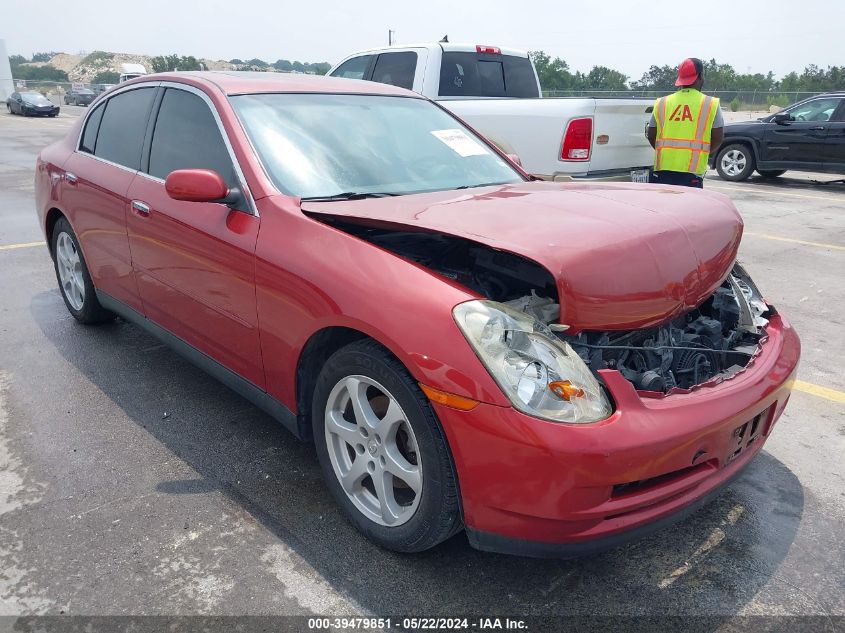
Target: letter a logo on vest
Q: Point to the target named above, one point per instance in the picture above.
(678, 115)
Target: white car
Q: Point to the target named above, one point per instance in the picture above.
(496, 91)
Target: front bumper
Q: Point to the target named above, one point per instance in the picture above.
(40, 112)
(534, 487)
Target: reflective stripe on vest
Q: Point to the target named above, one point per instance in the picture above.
(684, 124)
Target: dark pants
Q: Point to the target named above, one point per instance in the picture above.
(680, 178)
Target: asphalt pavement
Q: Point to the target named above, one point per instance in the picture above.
(131, 483)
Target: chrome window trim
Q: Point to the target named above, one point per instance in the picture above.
(253, 210)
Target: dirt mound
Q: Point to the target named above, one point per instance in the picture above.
(85, 68)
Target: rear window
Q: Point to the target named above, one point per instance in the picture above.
(486, 75)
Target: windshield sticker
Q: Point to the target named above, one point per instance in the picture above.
(460, 143)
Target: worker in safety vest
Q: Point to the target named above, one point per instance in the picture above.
(683, 128)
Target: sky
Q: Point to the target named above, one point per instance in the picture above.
(751, 35)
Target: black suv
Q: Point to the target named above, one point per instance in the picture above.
(808, 136)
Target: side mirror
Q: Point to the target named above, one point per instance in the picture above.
(782, 118)
(514, 158)
(199, 185)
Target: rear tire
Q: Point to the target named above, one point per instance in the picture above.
(75, 283)
(771, 173)
(735, 162)
(370, 419)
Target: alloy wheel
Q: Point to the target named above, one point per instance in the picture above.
(734, 162)
(373, 450)
(70, 271)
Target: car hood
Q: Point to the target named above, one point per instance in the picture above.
(623, 256)
(741, 126)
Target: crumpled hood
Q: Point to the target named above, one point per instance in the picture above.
(624, 255)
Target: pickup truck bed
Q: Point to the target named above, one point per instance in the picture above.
(533, 129)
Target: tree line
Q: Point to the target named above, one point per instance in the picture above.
(284, 65)
(554, 74)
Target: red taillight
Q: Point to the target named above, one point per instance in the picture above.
(493, 50)
(577, 140)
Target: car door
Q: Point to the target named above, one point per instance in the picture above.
(94, 187)
(799, 141)
(195, 261)
(834, 157)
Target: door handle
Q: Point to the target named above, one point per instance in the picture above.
(71, 178)
(818, 127)
(141, 208)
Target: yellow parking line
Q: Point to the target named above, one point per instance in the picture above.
(818, 390)
(765, 236)
(769, 190)
(10, 247)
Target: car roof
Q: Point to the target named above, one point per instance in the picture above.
(237, 82)
(449, 47)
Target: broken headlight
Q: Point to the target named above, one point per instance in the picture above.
(540, 374)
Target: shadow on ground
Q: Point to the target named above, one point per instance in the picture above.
(712, 563)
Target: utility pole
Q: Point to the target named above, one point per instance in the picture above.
(391, 36)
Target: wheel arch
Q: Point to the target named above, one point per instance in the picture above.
(52, 216)
(314, 354)
(737, 140)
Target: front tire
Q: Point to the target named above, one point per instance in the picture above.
(382, 452)
(771, 173)
(75, 283)
(735, 162)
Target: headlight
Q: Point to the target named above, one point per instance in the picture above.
(540, 374)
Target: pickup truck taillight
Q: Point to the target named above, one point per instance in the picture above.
(577, 139)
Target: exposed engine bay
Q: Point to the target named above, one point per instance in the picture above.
(495, 274)
(718, 338)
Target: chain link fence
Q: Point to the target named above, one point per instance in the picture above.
(734, 100)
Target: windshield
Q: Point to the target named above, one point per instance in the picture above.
(35, 98)
(323, 145)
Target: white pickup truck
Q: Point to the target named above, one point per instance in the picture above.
(496, 91)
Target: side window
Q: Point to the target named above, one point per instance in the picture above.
(89, 136)
(353, 68)
(816, 110)
(122, 127)
(186, 136)
(396, 69)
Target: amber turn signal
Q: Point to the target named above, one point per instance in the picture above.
(565, 390)
(448, 399)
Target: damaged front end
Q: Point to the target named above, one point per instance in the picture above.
(709, 344)
(703, 345)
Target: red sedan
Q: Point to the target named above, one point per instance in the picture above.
(552, 367)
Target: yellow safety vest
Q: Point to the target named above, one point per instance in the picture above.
(684, 122)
